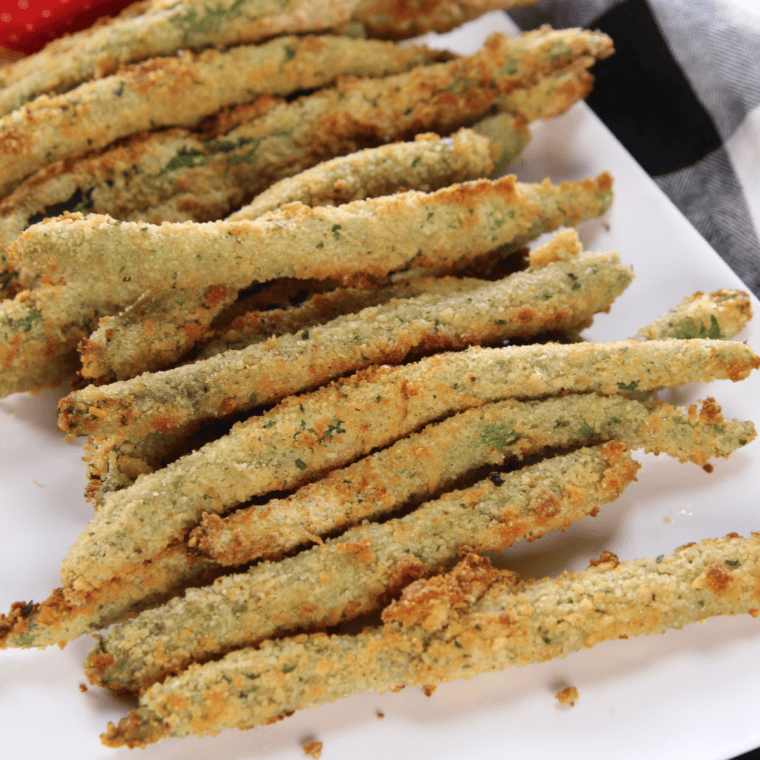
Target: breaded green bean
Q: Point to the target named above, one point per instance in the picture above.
(563, 295)
(40, 330)
(552, 95)
(351, 575)
(306, 435)
(155, 333)
(722, 314)
(58, 621)
(162, 29)
(475, 619)
(157, 30)
(428, 461)
(182, 91)
(151, 333)
(154, 178)
(416, 468)
(392, 19)
(374, 236)
(115, 461)
(426, 164)
(257, 326)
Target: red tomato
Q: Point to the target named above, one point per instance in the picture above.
(28, 25)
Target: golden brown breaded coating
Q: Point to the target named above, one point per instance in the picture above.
(150, 29)
(182, 91)
(162, 29)
(374, 236)
(40, 330)
(560, 296)
(552, 95)
(115, 461)
(426, 164)
(721, 314)
(151, 333)
(158, 330)
(473, 620)
(418, 466)
(399, 19)
(352, 574)
(304, 436)
(154, 177)
(257, 326)
(58, 621)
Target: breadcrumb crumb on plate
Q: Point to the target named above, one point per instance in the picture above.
(567, 697)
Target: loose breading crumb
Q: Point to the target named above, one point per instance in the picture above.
(568, 696)
(313, 749)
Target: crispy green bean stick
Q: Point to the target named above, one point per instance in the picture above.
(400, 20)
(560, 296)
(155, 333)
(159, 31)
(722, 314)
(374, 236)
(475, 619)
(257, 326)
(418, 466)
(351, 575)
(156, 30)
(115, 461)
(151, 333)
(427, 163)
(154, 177)
(551, 96)
(58, 621)
(182, 91)
(306, 435)
(40, 330)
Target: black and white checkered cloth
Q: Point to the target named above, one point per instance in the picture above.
(682, 94)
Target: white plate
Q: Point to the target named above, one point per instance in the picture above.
(689, 694)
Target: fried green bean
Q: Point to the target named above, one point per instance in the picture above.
(158, 331)
(351, 575)
(182, 91)
(155, 30)
(257, 326)
(161, 31)
(151, 333)
(722, 314)
(115, 460)
(306, 435)
(40, 330)
(413, 468)
(154, 177)
(563, 295)
(551, 96)
(433, 459)
(391, 19)
(475, 619)
(428, 163)
(374, 236)
(58, 621)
